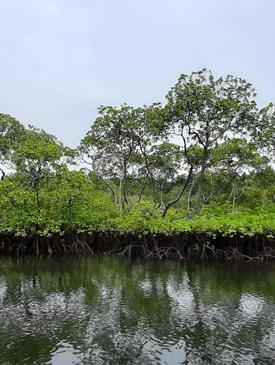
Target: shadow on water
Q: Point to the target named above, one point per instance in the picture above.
(108, 310)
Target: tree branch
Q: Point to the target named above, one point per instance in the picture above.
(168, 205)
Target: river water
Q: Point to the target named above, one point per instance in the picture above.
(112, 311)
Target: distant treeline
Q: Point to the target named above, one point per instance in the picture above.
(202, 163)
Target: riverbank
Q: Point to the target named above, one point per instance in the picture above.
(181, 245)
(228, 236)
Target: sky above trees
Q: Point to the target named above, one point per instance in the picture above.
(61, 59)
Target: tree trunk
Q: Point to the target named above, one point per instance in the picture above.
(167, 206)
(3, 174)
(199, 191)
(189, 195)
(141, 193)
(120, 194)
(234, 192)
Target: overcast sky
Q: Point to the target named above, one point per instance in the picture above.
(61, 59)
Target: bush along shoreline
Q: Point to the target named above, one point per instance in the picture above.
(237, 236)
(192, 177)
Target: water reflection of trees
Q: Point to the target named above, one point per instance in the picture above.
(111, 310)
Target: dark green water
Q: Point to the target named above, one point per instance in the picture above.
(112, 311)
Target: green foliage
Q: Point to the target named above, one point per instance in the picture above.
(68, 201)
(144, 218)
(200, 163)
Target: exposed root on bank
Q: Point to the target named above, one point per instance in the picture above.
(184, 246)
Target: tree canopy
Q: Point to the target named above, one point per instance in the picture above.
(208, 148)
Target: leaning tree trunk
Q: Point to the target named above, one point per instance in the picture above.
(141, 193)
(184, 187)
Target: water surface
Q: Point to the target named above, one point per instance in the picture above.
(113, 311)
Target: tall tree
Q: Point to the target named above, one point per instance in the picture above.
(117, 144)
(37, 158)
(11, 137)
(110, 144)
(204, 111)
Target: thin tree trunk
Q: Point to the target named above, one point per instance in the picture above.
(234, 192)
(161, 195)
(199, 191)
(211, 190)
(151, 177)
(120, 194)
(111, 189)
(3, 174)
(189, 195)
(141, 193)
(167, 206)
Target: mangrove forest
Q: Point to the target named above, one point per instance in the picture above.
(190, 177)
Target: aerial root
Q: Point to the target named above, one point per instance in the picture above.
(181, 247)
